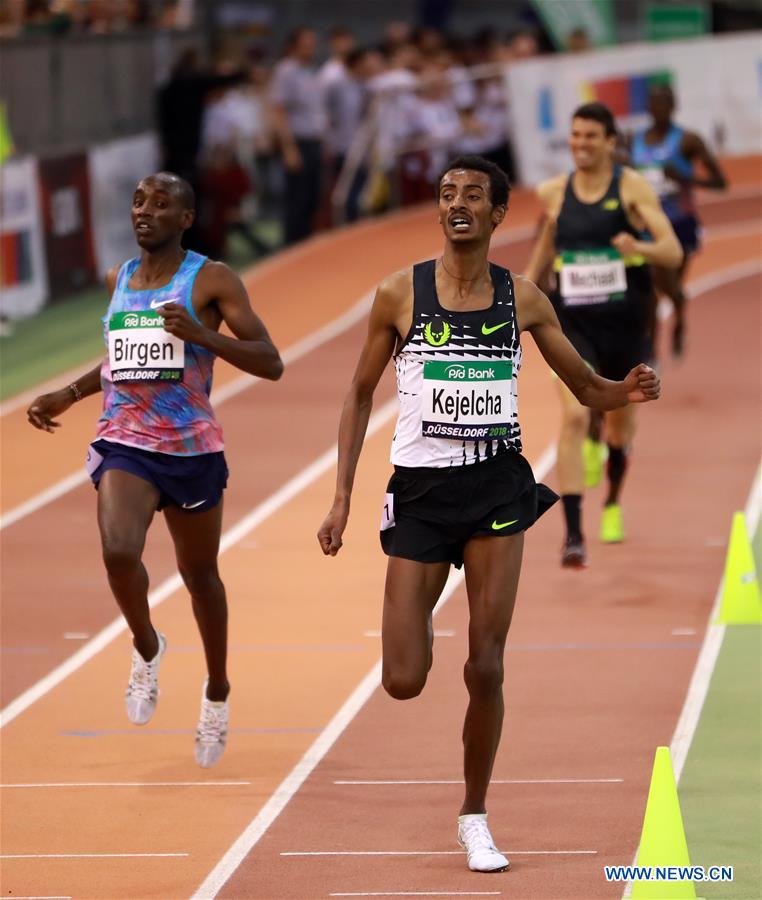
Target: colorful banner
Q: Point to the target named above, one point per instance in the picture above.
(65, 189)
(115, 169)
(716, 82)
(23, 281)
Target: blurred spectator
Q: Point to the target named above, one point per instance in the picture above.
(299, 123)
(434, 125)
(227, 185)
(40, 19)
(341, 42)
(396, 35)
(521, 44)
(180, 111)
(578, 41)
(346, 101)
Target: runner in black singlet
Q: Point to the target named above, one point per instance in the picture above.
(461, 493)
(593, 218)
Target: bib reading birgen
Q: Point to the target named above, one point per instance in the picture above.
(139, 349)
(156, 387)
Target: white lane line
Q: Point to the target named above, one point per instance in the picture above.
(497, 781)
(219, 396)
(40, 897)
(258, 515)
(707, 659)
(417, 894)
(710, 649)
(294, 853)
(291, 354)
(123, 784)
(88, 855)
(235, 855)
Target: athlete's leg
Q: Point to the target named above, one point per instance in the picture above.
(411, 593)
(492, 575)
(669, 282)
(575, 422)
(197, 540)
(126, 504)
(620, 430)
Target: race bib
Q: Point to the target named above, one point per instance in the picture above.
(387, 513)
(93, 460)
(592, 276)
(140, 350)
(467, 401)
(663, 186)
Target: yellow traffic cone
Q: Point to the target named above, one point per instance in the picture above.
(662, 841)
(740, 604)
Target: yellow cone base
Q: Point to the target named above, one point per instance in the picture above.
(740, 603)
(662, 841)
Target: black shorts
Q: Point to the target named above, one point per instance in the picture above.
(192, 483)
(688, 232)
(431, 514)
(611, 351)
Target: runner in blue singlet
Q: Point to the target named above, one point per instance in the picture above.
(666, 155)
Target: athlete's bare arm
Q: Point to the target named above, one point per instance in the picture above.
(550, 194)
(644, 211)
(44, 408)
(219, 296)
(694, 149)
(536, 315)
(390, 319)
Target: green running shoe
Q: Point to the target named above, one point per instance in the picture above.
(594, 454)
(612, 529)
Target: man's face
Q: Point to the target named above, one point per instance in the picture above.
(466, 212)
(158, 215)
(661, 105)
(305, 47)
(589, 145)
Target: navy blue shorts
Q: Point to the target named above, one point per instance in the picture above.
(688, 232)
(192, 483)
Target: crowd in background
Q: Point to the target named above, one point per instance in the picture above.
(327, 142)
(50, 18)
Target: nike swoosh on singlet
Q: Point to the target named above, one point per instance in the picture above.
(496, 526)
(193, 505)
(488, 329)
(155, 304)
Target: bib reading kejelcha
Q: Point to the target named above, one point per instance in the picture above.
(467, 401)
(592, 276)
(140, 350)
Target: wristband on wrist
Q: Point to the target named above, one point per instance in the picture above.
(74, 388)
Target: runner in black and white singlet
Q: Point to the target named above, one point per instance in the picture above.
(461, 492)
(593, 217)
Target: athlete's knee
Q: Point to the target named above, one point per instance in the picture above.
(576, 421)
(202, 581)
(403, 685)
(483, 673)
(120, 555)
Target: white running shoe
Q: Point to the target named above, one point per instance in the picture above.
(143, 687)
(212, 731)
(474, 837)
